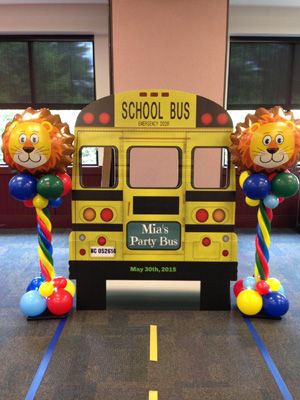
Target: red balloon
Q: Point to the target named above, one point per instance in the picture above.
(60, 302)
(60, 282)
(262, 287)
(238, 287)
(66, 180)
(28, 203)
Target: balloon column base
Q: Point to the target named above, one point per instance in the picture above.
(47, 315)
(261, 315)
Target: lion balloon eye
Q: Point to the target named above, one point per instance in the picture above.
(279, 139)
(34, 138)
(22, 138)
(267, 140)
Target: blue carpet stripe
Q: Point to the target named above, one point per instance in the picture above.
(286, 394)
(39, 375)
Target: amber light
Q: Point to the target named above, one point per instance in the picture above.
(206, 241)
(202, 215)
(219, 215)
(101, 241)
(89, 214)
(106, 214)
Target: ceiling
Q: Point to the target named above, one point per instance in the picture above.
(11, 2)
(266, 3)
(256, 3)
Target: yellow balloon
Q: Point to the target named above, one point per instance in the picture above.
(244, 175)
(70, 287)
(249, 302)
(274, 284)
(251, 202)
(40, 201)
(46, 289)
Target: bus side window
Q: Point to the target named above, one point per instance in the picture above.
(210, 168)
(98, 167)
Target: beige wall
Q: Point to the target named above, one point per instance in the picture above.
(278, 21)
(64, 19)
(172, 44)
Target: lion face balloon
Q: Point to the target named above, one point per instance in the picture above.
(37, 142)
(267, 141)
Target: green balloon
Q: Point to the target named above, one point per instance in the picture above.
(50, 187)
(285, 184)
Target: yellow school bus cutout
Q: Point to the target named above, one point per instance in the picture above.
(153, 195)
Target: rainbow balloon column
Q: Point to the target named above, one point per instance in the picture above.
(263, 147)
(39, 146)
(260, 292)
(46, 291)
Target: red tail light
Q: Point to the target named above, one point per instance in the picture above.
(202, 215)
(106, 214)
(101, 241)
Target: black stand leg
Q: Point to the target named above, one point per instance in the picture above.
(215, 295)
(91, 294)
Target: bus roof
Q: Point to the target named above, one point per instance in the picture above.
(152, 109)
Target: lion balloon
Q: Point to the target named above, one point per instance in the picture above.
(267, 141)
(37, 142)
(264, 146)
(39, 146)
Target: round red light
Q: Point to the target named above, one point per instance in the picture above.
(202, 215)
(82, 252)
(104, 118)
(88, 118)
(225, 253)
(206, 119)
(222, 119)
(206, 241)
(106, 214)
(101, 241)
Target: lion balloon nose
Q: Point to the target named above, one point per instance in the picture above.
(272, 150)
(28, 149)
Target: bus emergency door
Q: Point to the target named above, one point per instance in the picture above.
(154, 188)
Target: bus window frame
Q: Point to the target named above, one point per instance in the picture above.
(180, 158)
(228, 168)
(115, 166)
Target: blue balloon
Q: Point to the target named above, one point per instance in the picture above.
(22, 187)
(55, 203)
(271, 201)
(35, 283)
(257, 186)
(32, 303)
(249, 282)
(275, 304)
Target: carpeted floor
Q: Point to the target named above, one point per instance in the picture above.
(104, 354)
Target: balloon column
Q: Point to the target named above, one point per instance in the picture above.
(263, 147)
(39, 146)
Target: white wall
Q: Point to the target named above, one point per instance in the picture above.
(280, 21)
(64, 19)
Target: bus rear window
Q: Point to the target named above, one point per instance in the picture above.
(98, 167)
(154, 167)
(210, 168)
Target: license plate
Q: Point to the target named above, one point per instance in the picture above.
(102, 251)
